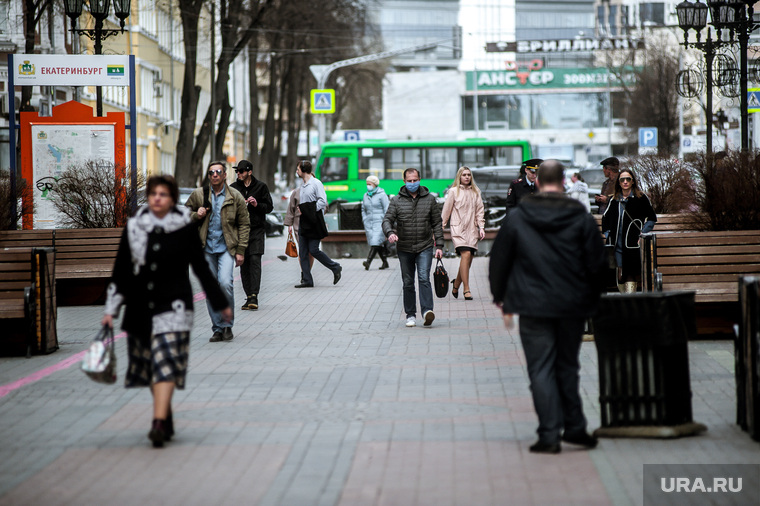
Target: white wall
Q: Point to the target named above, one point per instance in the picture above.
(419, 105)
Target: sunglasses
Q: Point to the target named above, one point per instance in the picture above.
(240, 171)
(215, 171)
(628, 179)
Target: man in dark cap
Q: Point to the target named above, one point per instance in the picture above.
(259, 203)
(610, 166)
(525, 185)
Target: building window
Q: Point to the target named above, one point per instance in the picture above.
(652, 13)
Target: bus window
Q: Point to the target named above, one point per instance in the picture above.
(509, 155)
(440, 163)
(476, 157)
(400, 159)
(372, 163)
(334, 168)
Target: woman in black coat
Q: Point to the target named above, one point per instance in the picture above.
(151, 278)
(627, 216)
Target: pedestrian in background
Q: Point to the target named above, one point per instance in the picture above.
(259, 204)
(312, 228)
(292, 219)
(223, 227)
(610, 167)
(546, 265)
(628, 215)
(579, 190)
(151, 279)
(463, 211)
(374, 207)
(414, 222)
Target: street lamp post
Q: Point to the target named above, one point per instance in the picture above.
(99, 11)
(735, 16)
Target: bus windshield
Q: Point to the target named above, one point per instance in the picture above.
(343, 167)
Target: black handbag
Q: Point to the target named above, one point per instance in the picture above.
(440, 280)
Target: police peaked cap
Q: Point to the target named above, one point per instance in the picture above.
(533, 163)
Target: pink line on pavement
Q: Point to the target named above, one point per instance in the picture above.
(43, 373)
(67, 362)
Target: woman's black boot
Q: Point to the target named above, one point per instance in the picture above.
(157, 433)
(383, 258)
(370, 256)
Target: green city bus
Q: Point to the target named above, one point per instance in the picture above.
(343, 167)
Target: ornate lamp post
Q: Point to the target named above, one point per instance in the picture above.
(735, 17)
(99, 11)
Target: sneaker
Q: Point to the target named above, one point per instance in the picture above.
(429, 317)
(541, 447)
(581, 439)
(411, 322)
(227, 334)
(216, 337)
(245, 304)
(253, 302)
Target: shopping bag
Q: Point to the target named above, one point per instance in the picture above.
(440, 280)
(290, 248)
(99, 362)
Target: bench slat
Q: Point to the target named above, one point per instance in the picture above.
(710, 260)
(736, 249)
(710, 269)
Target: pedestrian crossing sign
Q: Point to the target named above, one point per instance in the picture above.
(753, 100)
(322, 101)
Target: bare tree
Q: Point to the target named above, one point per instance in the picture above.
(91, 196)
(8, 220)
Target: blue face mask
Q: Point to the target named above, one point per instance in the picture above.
(413, 187)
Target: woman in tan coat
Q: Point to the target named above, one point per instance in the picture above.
(463, 211)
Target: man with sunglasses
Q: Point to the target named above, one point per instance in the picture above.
(259, 203)
(525, 185)
(223, 225)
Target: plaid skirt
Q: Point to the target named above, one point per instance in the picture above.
(165, 360)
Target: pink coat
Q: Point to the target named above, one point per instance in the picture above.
(463, 211)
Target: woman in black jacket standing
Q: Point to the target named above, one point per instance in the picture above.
(627, 216)
(151, 278)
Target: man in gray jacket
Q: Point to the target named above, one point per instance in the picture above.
(413, 220)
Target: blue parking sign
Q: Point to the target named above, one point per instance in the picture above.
(648, 137)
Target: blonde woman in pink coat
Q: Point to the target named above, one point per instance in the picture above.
(463, 211)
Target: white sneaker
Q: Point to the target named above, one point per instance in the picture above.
(410, 322)
(429, 317)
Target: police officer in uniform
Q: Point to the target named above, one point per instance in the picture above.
(525, 185)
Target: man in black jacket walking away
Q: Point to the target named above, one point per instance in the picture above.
(259, 203)
(413, 220)
(546, 265)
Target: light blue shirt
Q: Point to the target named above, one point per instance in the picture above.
(215, 237)
(314, 191)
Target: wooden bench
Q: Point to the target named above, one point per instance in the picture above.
(27, 238)
(709, 263)
(665, 222)
(27, 301)
(84, 263)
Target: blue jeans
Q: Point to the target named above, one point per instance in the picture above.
(222, 266)
(307, 246)
(551, 347)
(423, 262)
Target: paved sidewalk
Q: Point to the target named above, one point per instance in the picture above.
(324, 397)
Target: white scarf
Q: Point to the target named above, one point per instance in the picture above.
(143, 223)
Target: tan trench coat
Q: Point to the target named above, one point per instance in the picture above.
(463, 211)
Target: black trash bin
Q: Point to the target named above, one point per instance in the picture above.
(747, 356)
(350, 216)
(644, 385)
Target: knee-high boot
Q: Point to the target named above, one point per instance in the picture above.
(381, 252)
(370, 256)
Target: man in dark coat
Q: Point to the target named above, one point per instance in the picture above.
(546, 266)
(524, 185)
(413, 221)
(259, 203)
(610, 167)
